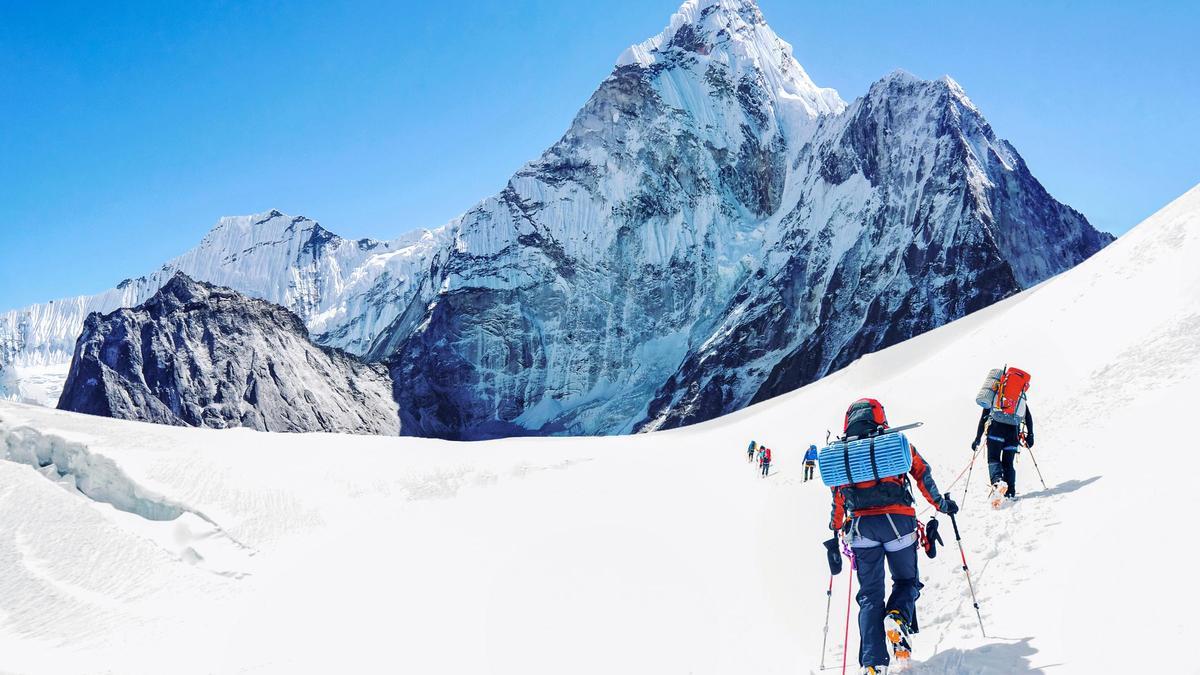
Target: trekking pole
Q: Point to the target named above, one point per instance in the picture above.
(958, 538)
(969, 472)
(828, 602)
(849, 587)
(1039, 470)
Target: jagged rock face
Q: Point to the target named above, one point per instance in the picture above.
(911, 213)
(198, 355)
(714, 230)
(571, 296)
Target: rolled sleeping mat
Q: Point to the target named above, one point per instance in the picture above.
(986, 397)
(845, 463)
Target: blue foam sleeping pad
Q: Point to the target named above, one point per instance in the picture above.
(893, 456)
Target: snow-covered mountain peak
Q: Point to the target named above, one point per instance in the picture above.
(733, 33)
(901, 80)
(246, 222)
(901, 99)
(258, 226)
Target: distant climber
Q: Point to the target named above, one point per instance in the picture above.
(1005, 409)
(810, 462)
(764, 461)
(750, 451)
(877, 519)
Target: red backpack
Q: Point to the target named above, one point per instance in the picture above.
(1009, 404)
(1013, 386)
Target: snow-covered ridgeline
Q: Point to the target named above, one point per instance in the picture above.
(347, 291)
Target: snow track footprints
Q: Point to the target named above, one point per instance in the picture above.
(1009, 537)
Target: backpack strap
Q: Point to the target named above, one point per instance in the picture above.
(908, 487)
(846, 461)
(874, 466)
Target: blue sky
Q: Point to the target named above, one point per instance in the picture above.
(127, 130)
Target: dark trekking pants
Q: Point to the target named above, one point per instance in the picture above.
(766, 466)
(1002, 459)
(808, 470)
(874, 542)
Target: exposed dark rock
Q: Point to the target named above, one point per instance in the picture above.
(199, 355)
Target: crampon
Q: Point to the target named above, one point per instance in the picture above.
(896, 629)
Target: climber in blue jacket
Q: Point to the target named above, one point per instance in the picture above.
(810, 462)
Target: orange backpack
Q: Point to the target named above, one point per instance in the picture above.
(1008, 406)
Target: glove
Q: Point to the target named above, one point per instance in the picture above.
(948, 506)
(1029, 439)
(932, 538)
(834, 555)
(974, 445)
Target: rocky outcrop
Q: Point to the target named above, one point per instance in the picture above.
(198, 355)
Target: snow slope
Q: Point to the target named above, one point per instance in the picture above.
(658, 553)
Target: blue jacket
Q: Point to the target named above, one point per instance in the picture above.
(811, 455)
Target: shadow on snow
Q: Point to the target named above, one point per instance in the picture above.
(992, 659)
(1062, 488)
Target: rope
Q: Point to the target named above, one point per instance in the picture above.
(849, 587)
(957, 478)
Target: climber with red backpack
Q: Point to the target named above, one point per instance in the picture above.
(1005, 409)
(764, 460)
(876, 518)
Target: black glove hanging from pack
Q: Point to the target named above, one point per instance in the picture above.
(834, 554)
(932, 538)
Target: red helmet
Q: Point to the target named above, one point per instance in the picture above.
(863, 417)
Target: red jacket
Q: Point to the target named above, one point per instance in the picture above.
(922, 476)
(766, 455)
